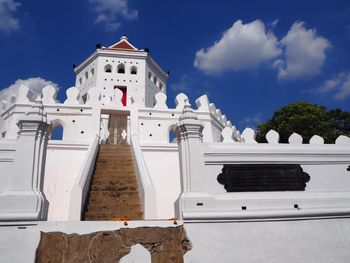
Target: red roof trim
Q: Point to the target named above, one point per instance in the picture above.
(123, 45)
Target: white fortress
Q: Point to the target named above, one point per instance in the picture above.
(220, 183)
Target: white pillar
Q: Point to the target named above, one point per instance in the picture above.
(189, 134)
(23, 199)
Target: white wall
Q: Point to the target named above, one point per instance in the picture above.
(312, 241)
(163, 166)
(153, 86)
(63, 164)
(87, 83)
(135, 83)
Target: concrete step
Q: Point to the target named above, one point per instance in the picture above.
(114, 180)
(119, 208)
(114, 188)
(114, 167)
(113, 203)
(111, 196)
(99, 216)
(110, 187)
(114, 153)
(119, 159)
(115, 173)
(115, 164)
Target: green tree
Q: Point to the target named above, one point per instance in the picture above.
(306, 119)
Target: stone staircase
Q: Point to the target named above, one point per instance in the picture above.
(113, 192)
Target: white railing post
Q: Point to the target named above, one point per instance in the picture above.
(189, 134)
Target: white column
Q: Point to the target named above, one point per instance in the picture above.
(189, 134)
(23, 199)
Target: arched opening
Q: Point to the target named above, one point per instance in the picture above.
(108, 68)
(86, 75)
(80, 81)
(155, 80)
(133, 70)
(121, 69)
(56, 130)
(92, 71)
(149, 75)
(172, 134)
(161, 86)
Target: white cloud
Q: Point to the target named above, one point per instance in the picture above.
(301, 53)
(242, 46)
(8, 22)
(35, 84)
(304, 53)
(110, 12)
(339, 85)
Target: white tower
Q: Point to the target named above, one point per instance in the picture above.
(122, 66)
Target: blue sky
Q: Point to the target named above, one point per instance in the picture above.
(250, 57)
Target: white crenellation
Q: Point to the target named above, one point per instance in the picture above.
(116, 98)
(202, 103)
(160, 99)
(295, 138)
(218, 115)
(72, 96)
(342, 140)
(24, 93)
(93, 96)
(227, 135)
(272, 137)
(49, 94)
(224, 120)
(316, 140)
(249, 136)
(212, 108)
(180, 101)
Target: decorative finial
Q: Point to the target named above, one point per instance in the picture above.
(124, 37)
(187, 112)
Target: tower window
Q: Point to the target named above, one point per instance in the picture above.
(86, 75)
(133, 70)
(108, 68)
(149, 75)
(155, 79)
(161, 86)
(121, 68)
(92, 71)
(80, 81)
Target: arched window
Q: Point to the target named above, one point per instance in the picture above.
(80, 81)
(161, 86)
(149, 75)
(133, 70)
(108, 68)
(92, 71)
(155, 80)
(172, 134)
(121, 68)
(56, 130)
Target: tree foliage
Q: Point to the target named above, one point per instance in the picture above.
(306, 119)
